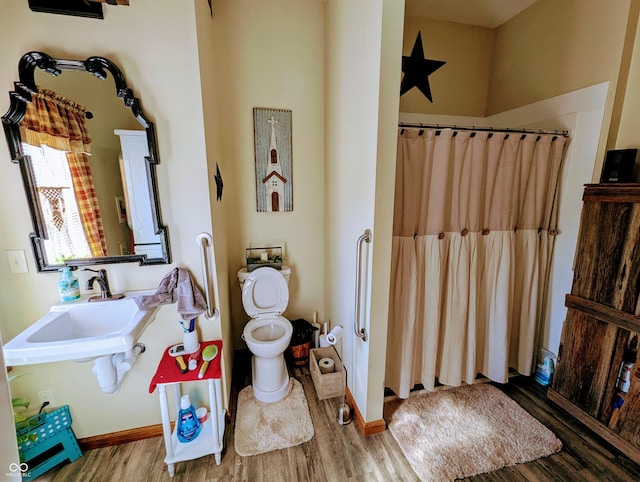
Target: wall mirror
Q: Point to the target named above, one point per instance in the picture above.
(87, 155)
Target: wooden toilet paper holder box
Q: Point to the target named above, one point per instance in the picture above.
(328, 385)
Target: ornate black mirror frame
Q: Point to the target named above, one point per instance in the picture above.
(24, 89)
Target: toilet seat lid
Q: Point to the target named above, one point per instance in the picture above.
(265, 291)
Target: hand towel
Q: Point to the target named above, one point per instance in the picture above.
(176, 286)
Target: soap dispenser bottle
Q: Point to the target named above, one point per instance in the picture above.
(68, 286)
(188, 425)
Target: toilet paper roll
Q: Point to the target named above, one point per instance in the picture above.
(327, 365)
(334, 335)
(323, 341)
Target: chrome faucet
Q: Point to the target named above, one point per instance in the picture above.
(103, 282)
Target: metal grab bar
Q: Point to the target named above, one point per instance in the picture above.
(366, 238)
(205, 240)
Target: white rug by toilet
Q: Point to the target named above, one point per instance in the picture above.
(263, 427)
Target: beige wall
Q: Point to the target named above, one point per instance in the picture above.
(460, 87)
(551, 48)
(556, 47)
(270, 54)
(628, 135)
(386, 145)
(363, 59)
(163, 70)
(352, 83)
(221, 209)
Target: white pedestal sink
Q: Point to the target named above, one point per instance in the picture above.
(105, 331)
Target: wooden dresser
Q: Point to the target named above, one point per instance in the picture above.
(601, 330)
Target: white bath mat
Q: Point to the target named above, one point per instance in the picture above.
(263, 427)
(465, 431)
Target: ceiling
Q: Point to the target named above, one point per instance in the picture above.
(483, 13)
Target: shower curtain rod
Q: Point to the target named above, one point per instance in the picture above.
(563, 133)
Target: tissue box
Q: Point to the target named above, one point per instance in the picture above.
(328, 385)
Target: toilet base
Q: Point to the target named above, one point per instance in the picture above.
(262, 394)
(271, 397)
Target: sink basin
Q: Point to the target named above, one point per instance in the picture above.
(81, 331)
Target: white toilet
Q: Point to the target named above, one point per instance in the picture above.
(265, 295)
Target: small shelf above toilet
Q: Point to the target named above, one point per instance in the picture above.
(270, 257)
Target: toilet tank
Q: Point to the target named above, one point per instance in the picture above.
(242, 274)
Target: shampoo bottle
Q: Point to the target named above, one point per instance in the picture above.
(188, 425)
(544, 371)
(68, 286)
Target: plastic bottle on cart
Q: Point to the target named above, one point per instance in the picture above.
(188, 424)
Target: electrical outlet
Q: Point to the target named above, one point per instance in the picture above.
(46, 396)
(17, 261)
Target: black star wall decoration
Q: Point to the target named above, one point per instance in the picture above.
(417, 68)
(219, 183)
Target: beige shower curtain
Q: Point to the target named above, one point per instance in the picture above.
(474, 227)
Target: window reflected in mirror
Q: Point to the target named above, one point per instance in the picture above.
(64, 235)
(87, 154)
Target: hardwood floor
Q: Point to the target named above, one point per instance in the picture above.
(339, 453)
